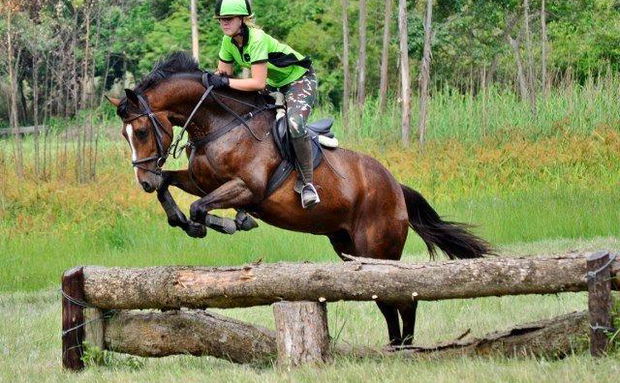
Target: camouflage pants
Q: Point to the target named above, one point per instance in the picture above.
(300, 97)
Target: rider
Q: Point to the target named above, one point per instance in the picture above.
(274, 65)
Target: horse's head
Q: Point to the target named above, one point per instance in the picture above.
(149, 134)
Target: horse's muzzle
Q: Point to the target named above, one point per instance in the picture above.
(147, 186)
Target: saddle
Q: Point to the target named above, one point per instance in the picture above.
(320, 136)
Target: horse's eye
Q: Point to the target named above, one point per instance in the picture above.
(142, 133)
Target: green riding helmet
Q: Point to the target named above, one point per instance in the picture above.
(229, 8)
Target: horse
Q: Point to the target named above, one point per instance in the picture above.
(364, 211)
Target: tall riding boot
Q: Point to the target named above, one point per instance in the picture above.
(303, 150)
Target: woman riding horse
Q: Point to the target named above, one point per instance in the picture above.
(272, 64)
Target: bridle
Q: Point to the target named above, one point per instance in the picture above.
(158, 132)
(174, 149)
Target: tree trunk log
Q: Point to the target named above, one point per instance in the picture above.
(192, 332)
(362, 279)
(202, 333)
(425, 72)
(302, 336)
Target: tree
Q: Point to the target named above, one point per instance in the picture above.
(404, 71)
(383, 85)
(361, 62)
(194, 18)
(345, 62)
(425, 72)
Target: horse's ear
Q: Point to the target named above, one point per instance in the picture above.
(132, 97)
(114, 101)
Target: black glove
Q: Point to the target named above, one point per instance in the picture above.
(218, 81)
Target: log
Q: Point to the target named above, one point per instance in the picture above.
(202, 333)
(599, 302)
(359, 280)
(302, 336)
(553, 338)
(193, 332)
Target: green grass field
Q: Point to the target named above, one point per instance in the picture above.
(530, 185)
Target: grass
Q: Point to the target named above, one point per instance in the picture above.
(30, 341)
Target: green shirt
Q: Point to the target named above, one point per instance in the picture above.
(284, 64)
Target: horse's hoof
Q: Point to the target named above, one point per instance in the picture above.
(196, 213)
(196, 230)
(244, 221)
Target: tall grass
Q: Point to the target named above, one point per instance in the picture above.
(492, 112)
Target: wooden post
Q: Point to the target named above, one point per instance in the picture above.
(302, 335)
(599, 301)
(72, 319)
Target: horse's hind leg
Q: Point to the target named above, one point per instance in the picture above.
(408, 315)
(390, 313)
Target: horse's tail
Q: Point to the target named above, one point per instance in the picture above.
(452, 238)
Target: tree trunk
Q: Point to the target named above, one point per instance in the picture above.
(385, 55)
(86, 58)
(530, 56)
(35, 113)
(520, 75)
(360, 280)
(543, 43)
(194, 17)
(302, 334)
(346, 102)
(361, 69)
(13, 115)
(404, 72)
(425, 72)
(190, 332)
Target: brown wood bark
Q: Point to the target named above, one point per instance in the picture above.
(360, 280)
(72, 319)
(383, 84)
(302, 335)
(193, 332)
(599, 302)
(555, 338)
(425, 73)
(197, 332)
(404, 72)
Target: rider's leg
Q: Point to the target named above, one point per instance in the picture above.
(300, 97)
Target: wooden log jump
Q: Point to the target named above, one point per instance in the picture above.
(358, 280)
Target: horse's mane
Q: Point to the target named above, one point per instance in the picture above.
(172, 64)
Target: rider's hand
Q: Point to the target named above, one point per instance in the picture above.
(218, 81)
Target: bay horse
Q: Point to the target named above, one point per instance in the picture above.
(364, 211)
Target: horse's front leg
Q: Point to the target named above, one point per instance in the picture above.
(176, 218)
(181, 179)
(233, 194)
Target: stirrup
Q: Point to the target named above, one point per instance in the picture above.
(312, 200)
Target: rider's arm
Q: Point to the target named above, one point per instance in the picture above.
(258, 81)
(224, 68)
